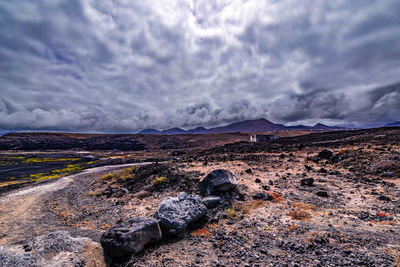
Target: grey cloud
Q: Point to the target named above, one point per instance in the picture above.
(119, 66)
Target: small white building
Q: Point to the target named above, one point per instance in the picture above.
(256, 138)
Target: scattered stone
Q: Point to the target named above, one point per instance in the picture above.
(174, 214)
(266, 187)
(217, 181)
(27, 248)
(325, 154)
(384, 198)
(262, 196)
(248, 171)
(307, 181)
(257, 181)
(387, 174)
(322, 170)
(129, 238)
(211, 201)
(322, 194)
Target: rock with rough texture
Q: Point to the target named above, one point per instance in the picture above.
(176, 213)
(307, 181)
(217, 181)
(129, 238)
(56, 249)
(211, 201)
(325, 154)
(262, 196)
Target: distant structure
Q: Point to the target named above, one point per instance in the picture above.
(256, 138)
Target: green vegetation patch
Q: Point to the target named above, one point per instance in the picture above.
(42, 160)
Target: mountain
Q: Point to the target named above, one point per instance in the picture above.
(247, 126)
(174, 131)
(198, 130)
(149, 131)
(260, 125)
(320, 126)
(393, 124)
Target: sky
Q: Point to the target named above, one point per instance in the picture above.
(126, 65)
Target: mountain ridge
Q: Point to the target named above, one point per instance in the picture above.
(257, 125)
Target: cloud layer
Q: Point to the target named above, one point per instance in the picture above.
(119, 65)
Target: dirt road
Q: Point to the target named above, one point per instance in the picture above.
(23, 213)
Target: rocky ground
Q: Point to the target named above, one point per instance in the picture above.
(326, 199)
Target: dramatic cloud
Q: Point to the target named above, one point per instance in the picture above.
(120, 66)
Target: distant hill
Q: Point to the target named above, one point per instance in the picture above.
(260, 125)
(174, 131)
(393, 124)
(149, 131)
(247, 126)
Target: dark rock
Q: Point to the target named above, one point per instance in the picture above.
(322, 170)
(262, 196)
(387, 174)
(257, 181)
(325, 154)
(27, 248)
(384, 198)
(175, 214)
(176, 152)
(322, 194)
(217, 181)
(307, 181)
(211, 201)
(248, 171)
(129, 238)
(266, 187)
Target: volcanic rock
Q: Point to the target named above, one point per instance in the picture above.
(129, 238)
(176, 213)
(217, 181)
(211, 201)
(307, 181)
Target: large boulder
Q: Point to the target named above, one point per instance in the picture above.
(176, 213)
(129, 238)
(216, 182)
(56, 249)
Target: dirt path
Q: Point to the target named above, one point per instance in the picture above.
(21, 211)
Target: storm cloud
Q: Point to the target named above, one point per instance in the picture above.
(121, 66)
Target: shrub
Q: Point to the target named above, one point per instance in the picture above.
(299, 215)
(230, 213)
(201, 232)
(160, 180)
(276, 197)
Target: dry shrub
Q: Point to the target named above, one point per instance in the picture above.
(247, 207)
(292, 227)
(203, 232)
(299, 215)
(303, 206)
(276, 197)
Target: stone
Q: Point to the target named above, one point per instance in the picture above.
(258, 181)
(262, 196)
(387, 174)
(217, 181)
(55, 249)
(384, 198)
(325, 154)
(322, 194)
(175, 214)
(307, 181)
(211, 201)
(129, 238)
